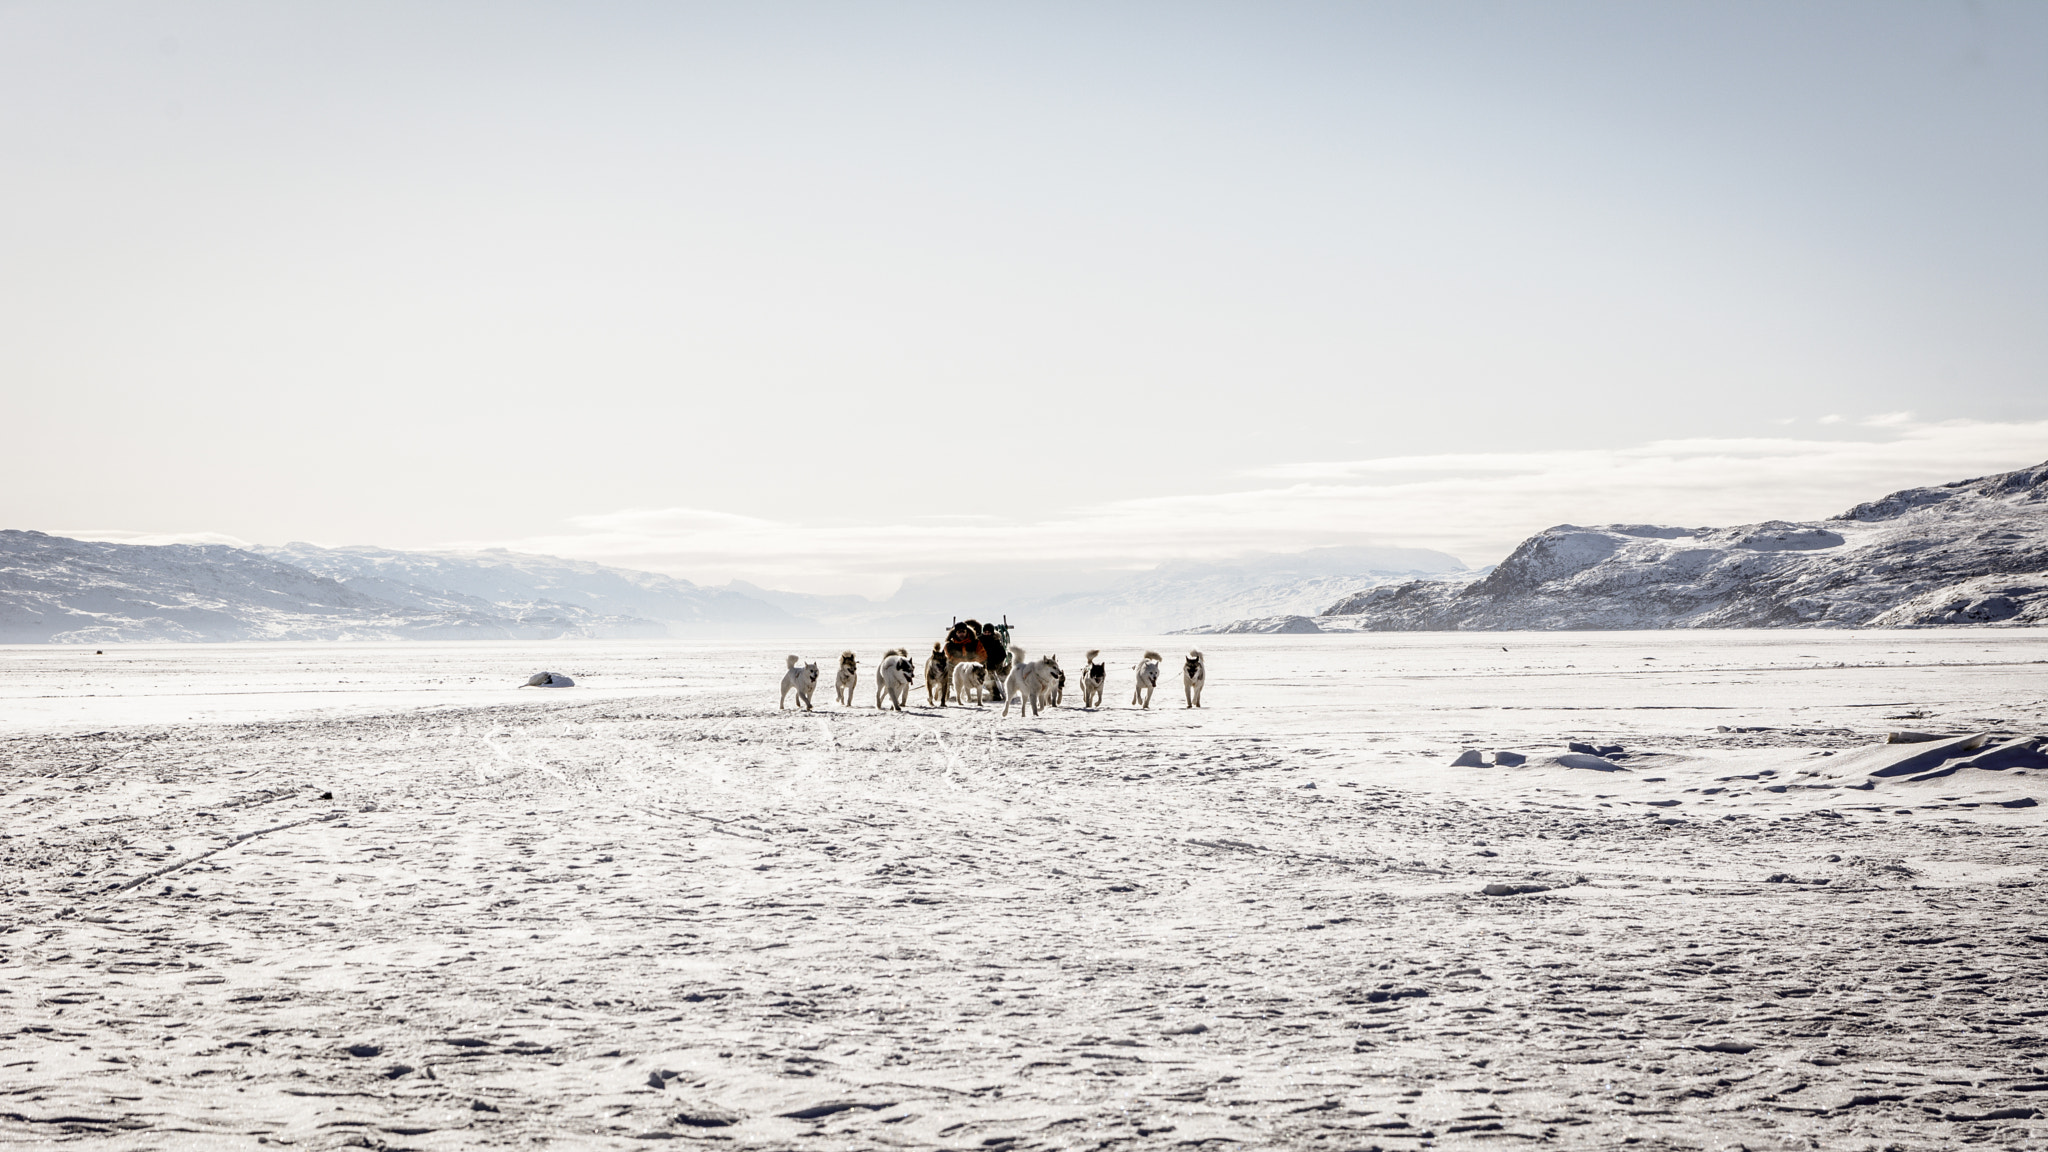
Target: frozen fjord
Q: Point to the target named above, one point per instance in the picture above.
(949, 930)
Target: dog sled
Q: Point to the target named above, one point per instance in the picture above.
(973, 642)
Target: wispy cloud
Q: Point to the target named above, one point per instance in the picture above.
(122, 536)
(1476, 506)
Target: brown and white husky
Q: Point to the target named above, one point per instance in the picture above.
(847, 680)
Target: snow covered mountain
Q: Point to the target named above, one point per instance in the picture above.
(1048, 598)
(499, 577)
(1179, 595)
(1969, 552)
(54, 589)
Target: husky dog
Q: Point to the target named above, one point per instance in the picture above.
(936, 686)
(1029, 682)
(1059, 682)
(1148, 679)
(893, 677)
(803, 678)
(970, 682)
(847, 680)
(1192, 674)
(1092, 677)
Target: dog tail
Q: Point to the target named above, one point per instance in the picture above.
(1150, 655)
(792, 661)
(1018, 653)
(1194, 654)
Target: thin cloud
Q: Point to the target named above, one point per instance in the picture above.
(1476, 506)
(123, 536)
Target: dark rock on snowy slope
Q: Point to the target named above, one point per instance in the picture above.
(54, 589)
(1970, 552)
(1258, 626)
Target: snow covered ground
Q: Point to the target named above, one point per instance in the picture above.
(376, 895)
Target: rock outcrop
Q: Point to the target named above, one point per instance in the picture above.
(1970, 552)
(1258, 626)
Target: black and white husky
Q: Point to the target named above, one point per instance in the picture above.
(1148, 679)
(1192, 675)
(893, 677)
(803, 678)
(847, 680)
(1093, 676)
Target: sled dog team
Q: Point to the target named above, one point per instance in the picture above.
(1031, 684)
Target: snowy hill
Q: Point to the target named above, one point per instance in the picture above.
(1970, 552)
(54, 589)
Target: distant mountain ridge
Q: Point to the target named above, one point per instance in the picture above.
(54, 589)
(502, 577)
(1174, 595)
(58, 590)
(1968, 552)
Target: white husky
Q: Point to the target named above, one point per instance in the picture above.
(970, 682)
(893, 677)
(1192, 674)
(1148, 679)
(804, 679)
(847, 680)
(1030, 682)
(1092, 677)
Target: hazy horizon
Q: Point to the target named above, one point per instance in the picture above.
(828, 297)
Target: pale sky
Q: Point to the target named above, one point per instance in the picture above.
(823, 295)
